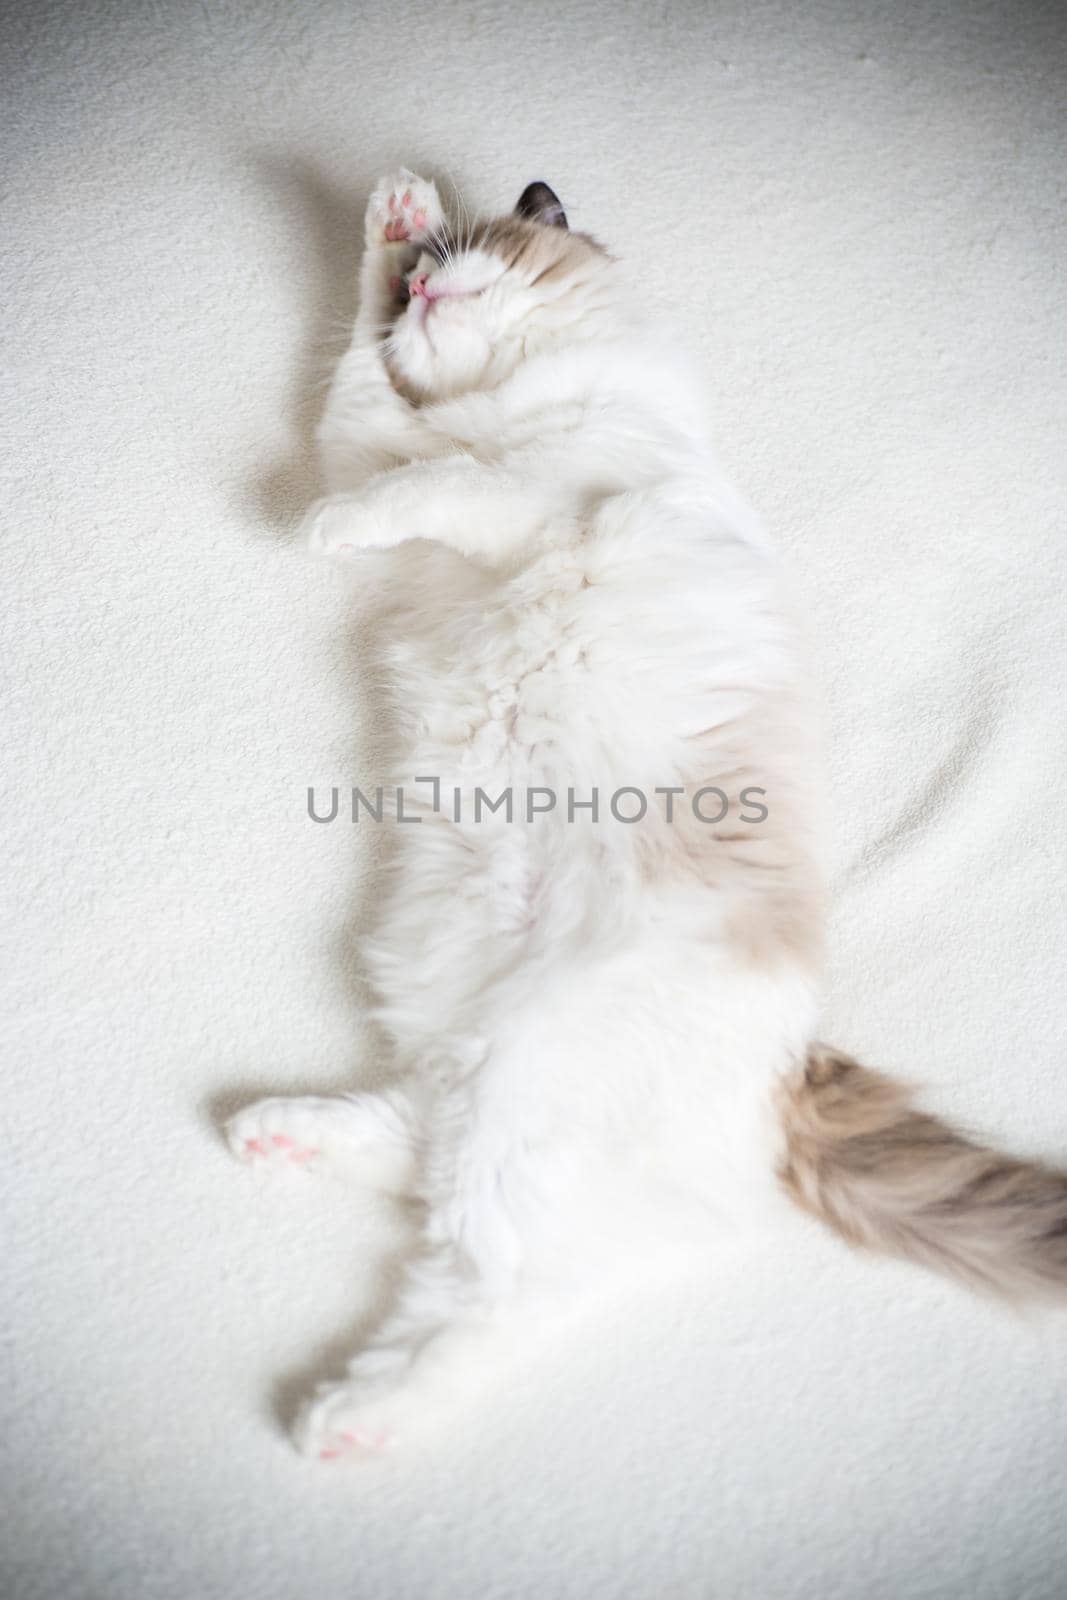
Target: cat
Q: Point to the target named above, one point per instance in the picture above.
(603, 1007)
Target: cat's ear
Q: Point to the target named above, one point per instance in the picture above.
(538, 203)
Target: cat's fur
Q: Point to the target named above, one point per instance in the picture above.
(595, 1022)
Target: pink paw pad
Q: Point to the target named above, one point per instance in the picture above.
(255, 1147)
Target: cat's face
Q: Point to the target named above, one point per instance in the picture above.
(480, 299)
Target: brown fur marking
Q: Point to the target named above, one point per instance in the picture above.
(891, 1178)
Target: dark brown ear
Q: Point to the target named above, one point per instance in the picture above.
(537, 203)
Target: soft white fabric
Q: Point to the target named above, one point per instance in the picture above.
(859, 213)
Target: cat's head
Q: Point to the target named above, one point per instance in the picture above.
(483, 297)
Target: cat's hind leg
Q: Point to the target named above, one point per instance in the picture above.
(368, 1136)
(451, 1330)
(435, 1350)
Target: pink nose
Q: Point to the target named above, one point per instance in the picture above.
(417, 286)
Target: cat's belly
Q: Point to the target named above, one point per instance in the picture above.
(537, 705)
(509, 866)
(547, 716)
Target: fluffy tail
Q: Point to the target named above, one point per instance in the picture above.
(860, 1157)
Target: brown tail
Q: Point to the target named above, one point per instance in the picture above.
(860, 1157)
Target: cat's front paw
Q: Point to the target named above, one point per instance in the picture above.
(404, 209)
(342, 528)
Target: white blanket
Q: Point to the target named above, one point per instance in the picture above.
(857, 212)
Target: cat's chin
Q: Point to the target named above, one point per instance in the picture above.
(436, 354)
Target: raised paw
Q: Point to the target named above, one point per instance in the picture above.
(404, 209)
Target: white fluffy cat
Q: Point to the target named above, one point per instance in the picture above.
(601, 1026)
